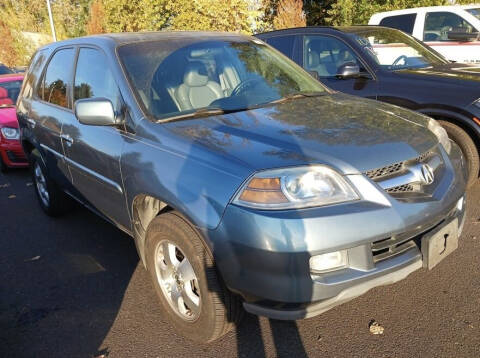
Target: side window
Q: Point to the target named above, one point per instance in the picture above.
(93, 77)
(404, 23)
(32, 74)
(284, 44)
(438, 24)
(54, 86)
(326, 55)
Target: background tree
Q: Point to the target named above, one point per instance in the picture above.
(289, 14)
(135, 15)
(226, 15)
(96, 20)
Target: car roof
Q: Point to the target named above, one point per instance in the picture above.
(338, 29)
(11, 77)
(135, 37)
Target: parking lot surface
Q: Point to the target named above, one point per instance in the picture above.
(74, 287)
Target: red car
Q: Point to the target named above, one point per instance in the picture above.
(11, 152)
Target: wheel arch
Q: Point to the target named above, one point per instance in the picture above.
(462, 121)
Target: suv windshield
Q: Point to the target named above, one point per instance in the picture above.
(394, 50)
(174, 78)
(475, 12)
(9, 92)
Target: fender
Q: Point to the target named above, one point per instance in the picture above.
(464, 119)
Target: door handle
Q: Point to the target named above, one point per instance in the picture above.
(67, 139)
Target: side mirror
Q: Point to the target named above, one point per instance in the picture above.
(314, 74)
(95, 112)
(348, 70)
(461, 34)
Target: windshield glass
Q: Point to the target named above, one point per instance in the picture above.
(394, 50)
(9, 92)
(177, 77)
(475, 12)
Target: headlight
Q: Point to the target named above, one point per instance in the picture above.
(329, 261)
(10, 133)
(441, 134)
(298, 187)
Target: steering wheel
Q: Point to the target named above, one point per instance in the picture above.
(245, 85)
(399, 58)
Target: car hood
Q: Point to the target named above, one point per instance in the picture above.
(8, 117)
(461, 74)
(345, 132)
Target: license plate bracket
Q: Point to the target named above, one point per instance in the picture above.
(439, 243)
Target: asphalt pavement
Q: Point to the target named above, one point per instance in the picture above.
(74, 287)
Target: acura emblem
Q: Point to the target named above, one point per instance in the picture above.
(426, 174)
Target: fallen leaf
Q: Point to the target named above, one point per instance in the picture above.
(13, 196)
(35, 258)
(375, 328)
(29, 184)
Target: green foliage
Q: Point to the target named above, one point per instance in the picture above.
(135, 15)
(214, 15)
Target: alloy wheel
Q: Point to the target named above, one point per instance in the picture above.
(178, 280)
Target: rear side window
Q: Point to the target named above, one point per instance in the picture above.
(284, 44)
(32, 74)
(53, 88)
(93, 77)
(404, 23)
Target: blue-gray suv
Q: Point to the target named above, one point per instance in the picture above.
(242, 179)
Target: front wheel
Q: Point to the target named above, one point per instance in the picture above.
(468, 147)
(184, 276)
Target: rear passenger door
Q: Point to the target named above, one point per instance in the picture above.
(93, 152)
(326, 54)
(50, 108)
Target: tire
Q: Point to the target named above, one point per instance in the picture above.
(52, 200)
(468, 147)
(3, 166)
(218, 309)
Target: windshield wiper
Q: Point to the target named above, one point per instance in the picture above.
(202, 112)
(297, 95)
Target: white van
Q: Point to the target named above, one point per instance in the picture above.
(452, 31)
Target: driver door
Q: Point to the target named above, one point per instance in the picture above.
(326, 54)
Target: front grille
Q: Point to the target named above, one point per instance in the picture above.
(396, 168)
(406, 188)
(385, 171)
(386, 248)
(404, 180)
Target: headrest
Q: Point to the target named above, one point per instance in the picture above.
(195, 75)
(313, 59)
(3, 93)
(317, 45)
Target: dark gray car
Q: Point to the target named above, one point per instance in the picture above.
(242, 179)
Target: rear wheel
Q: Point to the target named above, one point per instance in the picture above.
(468, 147)
(184, 276)
(53, 201)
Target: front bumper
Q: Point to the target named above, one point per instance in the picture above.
(12, 154)
(264, 255)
